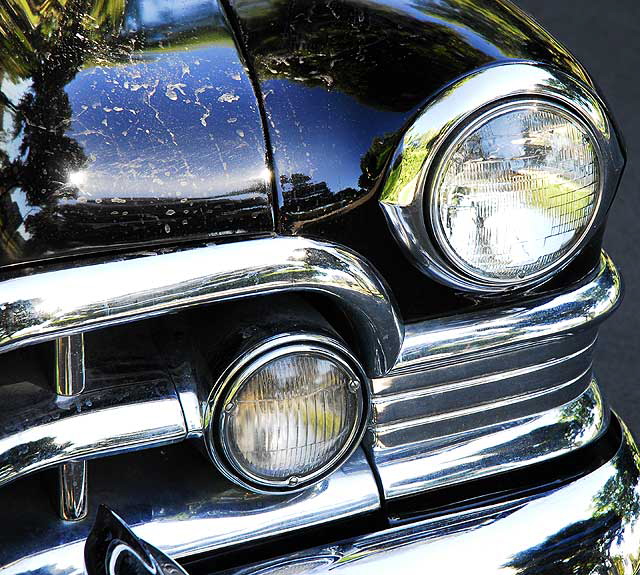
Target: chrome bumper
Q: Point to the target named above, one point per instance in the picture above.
(588, 526)
(454, 399)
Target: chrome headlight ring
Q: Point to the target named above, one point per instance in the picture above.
(405, 193)
(220, 408)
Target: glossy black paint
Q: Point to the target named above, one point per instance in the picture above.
(341, 79)
(143, 128)
(125, 124)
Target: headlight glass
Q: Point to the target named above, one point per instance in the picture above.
(515, 192)
(292, 418)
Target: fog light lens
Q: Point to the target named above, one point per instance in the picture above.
(515, 192)
(290, 417)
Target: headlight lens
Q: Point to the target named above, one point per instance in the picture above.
(290, 417)
(515, 192)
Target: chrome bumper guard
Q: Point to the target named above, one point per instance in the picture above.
(588, 526)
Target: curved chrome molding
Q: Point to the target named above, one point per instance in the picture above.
(184, 513)
(47, 305)
(589, 526)
(435, 341)
(403, 197)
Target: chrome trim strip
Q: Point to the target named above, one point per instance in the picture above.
(590, 525)
(52, 304)
(185, 512)
(433, 341)
(70, 381)
(489, 391)
(46, 430)
(513, 440)
(486, 392)
(403, 197)
(404, 409)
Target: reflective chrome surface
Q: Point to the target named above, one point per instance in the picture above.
(70, 380)
(183, 514)
(487, 439)
(459, 375)
(50, 304)
(220, 408)
(588, 526)
(448, 338)
(73, 490)
(38, 429)
(113, 549)
(404, 194)
(487, 392)
(70, 365)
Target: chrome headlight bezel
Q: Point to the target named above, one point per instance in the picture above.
(237, 374)
(406, 192)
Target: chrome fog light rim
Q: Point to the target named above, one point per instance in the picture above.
(403, 194)
(219, 408)
(432, 180)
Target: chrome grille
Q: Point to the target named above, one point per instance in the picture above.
(474, 416)
(455, 398)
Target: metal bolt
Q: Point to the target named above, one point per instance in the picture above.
(230, 407)
(293, 480)
(354, 386)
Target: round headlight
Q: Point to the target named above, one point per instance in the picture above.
(515, 192)
(286, 416)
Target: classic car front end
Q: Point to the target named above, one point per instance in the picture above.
(299, 287)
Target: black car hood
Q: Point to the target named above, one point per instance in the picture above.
(125, 124)
(342, 79)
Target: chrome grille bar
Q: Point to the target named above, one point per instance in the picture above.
(70, 381)
(486, 392)
(448, 338)
(51, 304)
(527, 368)
(42, 429)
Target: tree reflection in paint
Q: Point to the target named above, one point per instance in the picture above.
(615, 510)
(42, 47)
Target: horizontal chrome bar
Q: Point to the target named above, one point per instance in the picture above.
(38, 429)
(190, 509)
(589, 526)
(491, 391)
(530, 377)
(449, 338)
(493, 443)
(49, 304)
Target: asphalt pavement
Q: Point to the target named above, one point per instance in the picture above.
(605, 36)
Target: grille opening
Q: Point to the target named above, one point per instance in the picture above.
(137, 372)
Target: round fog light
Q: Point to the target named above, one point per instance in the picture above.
(287, 414)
